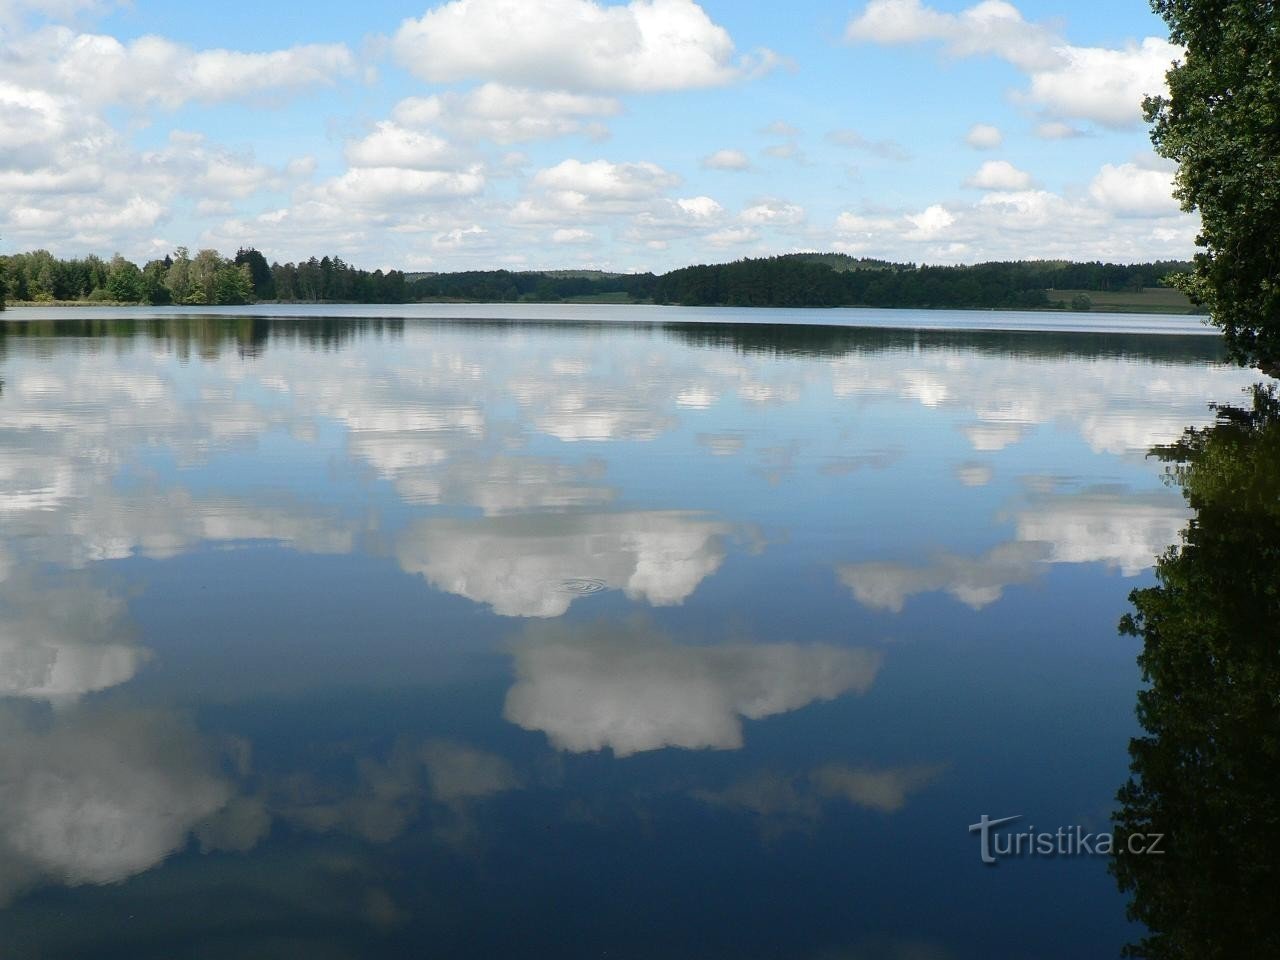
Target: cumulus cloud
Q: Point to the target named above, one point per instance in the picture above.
(386, 187)
(646, 45)
(999, 175)
(1103, 85)
(983, 136)
(99, 69)
(1126, 214)
(505, 114)
(1130, 190)
(605, 180)
(773, 213)
(631, 690)
(390, 145)
(991, 27)
(536, 565)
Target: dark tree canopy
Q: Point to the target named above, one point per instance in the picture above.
(1221, 123)
(1206, 773)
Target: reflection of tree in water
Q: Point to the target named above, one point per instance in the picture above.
(1207, 771)
(208, 335)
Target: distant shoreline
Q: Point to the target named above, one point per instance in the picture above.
(1107, 308)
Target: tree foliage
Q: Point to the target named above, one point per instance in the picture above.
(793, 280)
(1221, 123)
(1206, 771)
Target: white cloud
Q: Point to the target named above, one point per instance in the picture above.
(1100, 84)
(1129, 190)
(628, 689)
(727, 160)
(387, 187)
(773, 213)
(700, 208)
(991, 27)
(572, 235)
(930, 222)
(646, 45)
(390, 145)
(1126, 215)
(999, 175)
(1105, 86)
(983, 136)
(605, 180)
(506, 114)
(151, 70)
(732, 237)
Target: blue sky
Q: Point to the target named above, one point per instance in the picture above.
(575, 133)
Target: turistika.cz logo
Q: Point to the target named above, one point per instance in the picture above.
(1063, 842)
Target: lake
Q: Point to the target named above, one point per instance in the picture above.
(501, 632)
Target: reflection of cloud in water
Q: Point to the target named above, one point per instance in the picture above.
(974, 581)
(721, 444)
(518, 564)
(876, 460)
(625, 687)
(99, 795)
(775, 796)
(388, 795)
(697, 398)
(164, 523)
(990, 437)
(32, 482)
(508, 484)
(1108, 525)
(61, 640)
(1116, 404)
(972, 474)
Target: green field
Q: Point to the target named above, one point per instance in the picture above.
(1150, 300)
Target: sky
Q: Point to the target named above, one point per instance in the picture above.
(533, 134)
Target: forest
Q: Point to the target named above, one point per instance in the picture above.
(792, 280)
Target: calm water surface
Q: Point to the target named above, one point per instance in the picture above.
(374, 637)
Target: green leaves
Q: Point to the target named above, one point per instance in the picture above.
(1221, 123)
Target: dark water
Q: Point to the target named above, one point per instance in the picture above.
(355, 638)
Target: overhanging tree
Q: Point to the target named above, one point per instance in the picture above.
(1221, 123)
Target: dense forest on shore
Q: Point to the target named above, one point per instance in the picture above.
(792, 280)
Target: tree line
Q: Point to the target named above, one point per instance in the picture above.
(205, 279)
(793, 280)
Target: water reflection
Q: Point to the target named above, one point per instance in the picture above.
(1204, 773)
(349, 638)
(631, 689)
(97, 795)
(534, 565)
